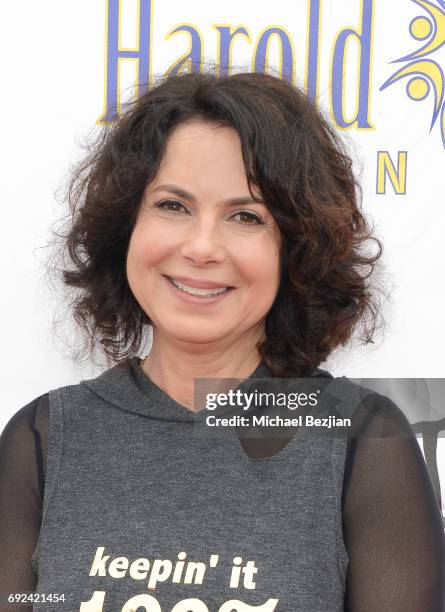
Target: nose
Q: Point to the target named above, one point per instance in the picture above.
(203, 242)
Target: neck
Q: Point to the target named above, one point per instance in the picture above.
(174, 365)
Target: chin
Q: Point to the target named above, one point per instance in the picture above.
(199, 338)
(190, 333)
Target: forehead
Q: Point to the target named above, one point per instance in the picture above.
(198, 145)
(203, 154)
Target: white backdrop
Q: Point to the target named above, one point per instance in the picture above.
(53, 71)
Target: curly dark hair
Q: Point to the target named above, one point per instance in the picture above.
(304, 173)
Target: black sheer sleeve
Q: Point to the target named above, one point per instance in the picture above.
(23, 447)
(392, 522)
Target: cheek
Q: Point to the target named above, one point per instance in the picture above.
(260, 263)
(149, 244)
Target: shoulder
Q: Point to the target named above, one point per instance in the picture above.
(374, 414)
(23, 445)
(20, 430)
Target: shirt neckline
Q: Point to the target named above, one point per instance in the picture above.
(158, 396)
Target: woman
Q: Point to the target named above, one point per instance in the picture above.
(223, 213)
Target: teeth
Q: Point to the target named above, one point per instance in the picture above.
(199, 292)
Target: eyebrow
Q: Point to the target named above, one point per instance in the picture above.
(182, 193)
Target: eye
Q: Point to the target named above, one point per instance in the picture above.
(249, 218)
(171, 205)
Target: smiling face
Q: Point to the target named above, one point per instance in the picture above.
(199, 227)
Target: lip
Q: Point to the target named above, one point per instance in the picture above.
(193, 299)
(197, 283)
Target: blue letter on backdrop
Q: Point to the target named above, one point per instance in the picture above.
(191, 60)
(338, 81)
(114, 53)
(226, 36)
(313, 58)
(287, 54)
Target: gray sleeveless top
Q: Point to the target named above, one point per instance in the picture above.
(143, 513)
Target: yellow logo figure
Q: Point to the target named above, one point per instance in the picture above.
(426, 74)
